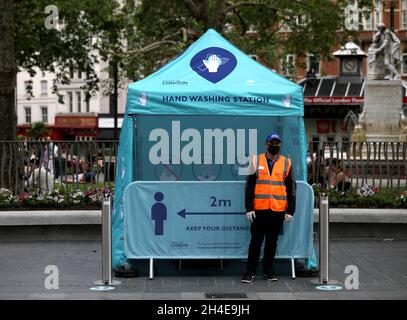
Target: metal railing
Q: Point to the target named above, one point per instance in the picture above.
(343, 165)
(50, 165)
(46, 165)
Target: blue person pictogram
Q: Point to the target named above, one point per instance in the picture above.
(159, 213)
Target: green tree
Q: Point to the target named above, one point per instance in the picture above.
(27, 42)
(7, 72)
(137, 37)
(37, 130)
(266, 28)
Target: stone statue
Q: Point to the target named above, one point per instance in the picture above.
(375, 61)
(384, 55)
(362, 120)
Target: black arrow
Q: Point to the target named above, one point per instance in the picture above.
(183, 213)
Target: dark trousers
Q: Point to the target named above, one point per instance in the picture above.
(267, 224)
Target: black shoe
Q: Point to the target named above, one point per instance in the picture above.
(270, 276)
(248, 277)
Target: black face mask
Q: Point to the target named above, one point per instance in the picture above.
(273, 149)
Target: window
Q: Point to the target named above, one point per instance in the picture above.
(377, 12)
(404, 66)
(403, 15)
(44, 114)
(296, 21)
(366, 17)
(27, 114)
(71, 72)
(79, 74)
(301, 20)
(79, 101)
(352, 15)
(44, 87)
(313, 64)
(70, 101)
(27, 85)
(87, 105)
(288, 65)
(252, 29)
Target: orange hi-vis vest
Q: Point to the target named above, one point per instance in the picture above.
(270, 191)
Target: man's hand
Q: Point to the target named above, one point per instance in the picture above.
(288, 217)
(251, 215)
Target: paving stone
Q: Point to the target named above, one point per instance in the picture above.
(382, 274)
(276, 296)
(161, 296)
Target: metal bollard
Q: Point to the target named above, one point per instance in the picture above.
(323, 239)
(106, 282)
(106, 241)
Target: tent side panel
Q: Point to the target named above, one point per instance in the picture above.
(124, 176)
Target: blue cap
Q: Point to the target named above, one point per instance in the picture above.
(273, 136)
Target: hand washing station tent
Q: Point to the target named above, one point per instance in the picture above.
(210, 86)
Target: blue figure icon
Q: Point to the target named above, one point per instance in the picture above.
(159, 214)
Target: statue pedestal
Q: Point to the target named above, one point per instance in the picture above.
(383, 102)
(382, 106)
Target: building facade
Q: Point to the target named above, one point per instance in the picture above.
(332, 100)
(75, 118)
(393, 13)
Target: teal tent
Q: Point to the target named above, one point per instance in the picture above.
(211, 85)
(245, 88)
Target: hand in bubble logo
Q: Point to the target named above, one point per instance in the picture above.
(213, 64)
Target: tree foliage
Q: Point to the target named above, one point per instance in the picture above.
(85, 34)
(37, 130)
(268, 29)
(141, 36)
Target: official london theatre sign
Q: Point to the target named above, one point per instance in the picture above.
(333, 100)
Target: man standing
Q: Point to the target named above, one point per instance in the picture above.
(270, 199)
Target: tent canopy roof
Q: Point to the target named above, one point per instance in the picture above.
(213, 77)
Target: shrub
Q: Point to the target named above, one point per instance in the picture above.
(59, 199)
(367, 196)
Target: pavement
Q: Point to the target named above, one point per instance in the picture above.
(382, 265)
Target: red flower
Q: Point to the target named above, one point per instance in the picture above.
(23, 196)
